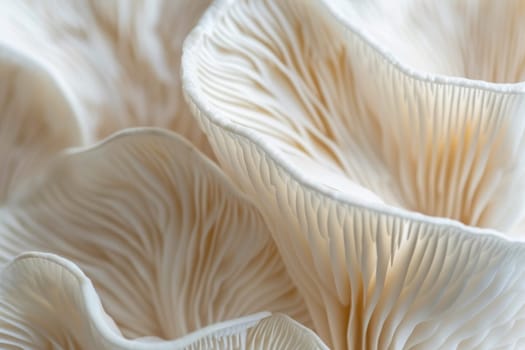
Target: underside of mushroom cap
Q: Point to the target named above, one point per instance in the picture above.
(169, 242)
(327, 135)
(36, 121)
(119, 60)
(46, 302)
(344, 118)
(388, 279)
(473, 39)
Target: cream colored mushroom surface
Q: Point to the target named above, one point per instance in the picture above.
(347, 119)
(342, 149)
(169, 243)
(46, 302)
(476, 39)
(36, 121)
(118, 61)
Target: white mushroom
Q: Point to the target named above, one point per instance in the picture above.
(46, 302)
(335, 141)
(348, 119)
(475, 39)
(169, 243)
(119, 60)
(36, 121)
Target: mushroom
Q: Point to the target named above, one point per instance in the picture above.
(474, 39)
(168, 242)
(32, 108)
(366, 174)
(46, 302)
(119, 61)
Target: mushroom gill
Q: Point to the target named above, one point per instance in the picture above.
(347, 119)
(119, 61)
(169, 243)
(474, 39)
(342, 150)
(46, 302)
(36, 121)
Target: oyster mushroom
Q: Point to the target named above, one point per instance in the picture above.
(480, 40)
(449, 150)
(463, 137)
(46, 302)
(36, 121)
(107, 64)
(167, 240)
(118, 60)
(343, 150)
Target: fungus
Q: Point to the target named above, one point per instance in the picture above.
(343, 151)
(167, 240)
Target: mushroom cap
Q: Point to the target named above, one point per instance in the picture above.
(118, 61)
(478, 40)
(47, 302)
(168, 241)
(349, 121)
(342, 150)
(36, 121)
